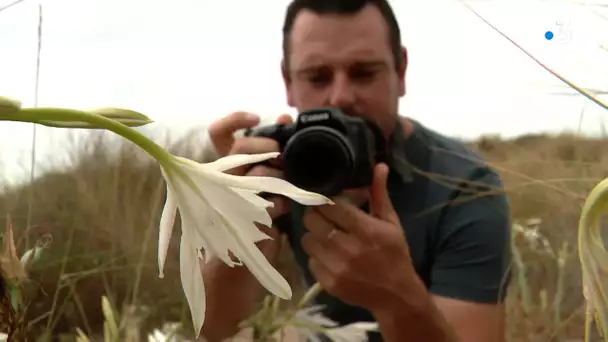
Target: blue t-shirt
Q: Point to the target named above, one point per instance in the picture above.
(455, 216)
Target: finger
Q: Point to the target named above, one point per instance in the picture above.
(334, 282)
(317, 225)
(347, 217)
(329, 236)
(284, 119)
(281, 206)
(356, 197)
(230, 123)
(270, 231)
(330, 258)
(254, 145)
(265, 171)
(322, 275)
(222, 131)
(380, 202)
(342, 245)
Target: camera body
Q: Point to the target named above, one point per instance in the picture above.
(326, 151)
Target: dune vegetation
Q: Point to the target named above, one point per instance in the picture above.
(102, 214)
(98, 223)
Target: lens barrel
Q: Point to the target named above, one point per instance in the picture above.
(319, 159)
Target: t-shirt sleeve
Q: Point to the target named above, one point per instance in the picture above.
(472, 255)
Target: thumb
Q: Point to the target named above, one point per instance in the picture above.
(380, 203)
(222, 131)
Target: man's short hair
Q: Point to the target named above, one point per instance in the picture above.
(344, 7)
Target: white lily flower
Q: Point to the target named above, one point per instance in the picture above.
(312, 316)
(310, 322)
(158, 336)
(354, 332)
(218, 212)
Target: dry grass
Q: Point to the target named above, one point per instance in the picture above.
(103, 215)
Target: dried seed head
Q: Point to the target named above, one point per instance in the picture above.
(12, 269)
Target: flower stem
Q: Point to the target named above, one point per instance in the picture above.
(312, 292)
(35, 115)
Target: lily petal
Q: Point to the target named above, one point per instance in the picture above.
(258, 184)
(192, 283)
(263, 270)
(253, 197)
(239, 208)
(237, 217)
(190, 224)
(354, 332)
(167, 221)
(272, 185)
(207, 227)
(236, 160)
(240, 205)
(197, 219)
(312, 316)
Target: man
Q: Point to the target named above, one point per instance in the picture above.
(423, 251)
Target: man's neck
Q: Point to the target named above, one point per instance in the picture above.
(407, 126)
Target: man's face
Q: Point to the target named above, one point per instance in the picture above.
(345, 61)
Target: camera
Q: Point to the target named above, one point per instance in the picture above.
(326, 151)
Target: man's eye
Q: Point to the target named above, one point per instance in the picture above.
(319, 79)
(363, 74)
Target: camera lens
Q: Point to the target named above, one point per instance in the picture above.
(318, 159)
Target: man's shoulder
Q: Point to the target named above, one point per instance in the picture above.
(452, 172)
(454, 161)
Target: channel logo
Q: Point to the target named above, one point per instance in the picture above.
(560, 33)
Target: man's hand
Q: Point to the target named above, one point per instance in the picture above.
(361, 258)
(222, 134)
(222, 130)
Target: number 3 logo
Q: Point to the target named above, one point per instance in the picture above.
(564, 33)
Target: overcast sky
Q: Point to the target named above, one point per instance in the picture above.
(186, 62)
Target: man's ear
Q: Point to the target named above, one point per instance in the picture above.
(402, 70)
(287, 83)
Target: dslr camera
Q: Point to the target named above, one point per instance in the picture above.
(326, 151)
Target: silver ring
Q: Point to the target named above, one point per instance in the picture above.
(332, 233)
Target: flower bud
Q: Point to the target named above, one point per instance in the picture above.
(124, 116)
(9, 106)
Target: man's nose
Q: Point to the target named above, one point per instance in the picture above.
(342, 92)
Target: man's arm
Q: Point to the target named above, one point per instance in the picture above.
(413, 319)
(473, 321)
(470, 273)
(441, 319)
(468, 280)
